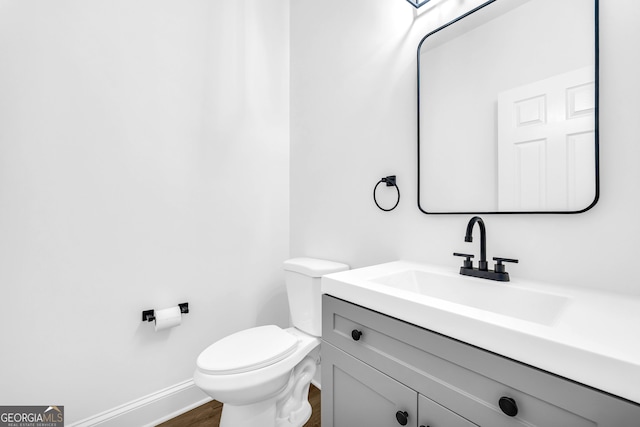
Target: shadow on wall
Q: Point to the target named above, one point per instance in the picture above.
(275, 303)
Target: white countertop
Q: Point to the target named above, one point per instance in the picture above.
(595, 340)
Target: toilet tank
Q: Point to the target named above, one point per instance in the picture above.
(302, 277)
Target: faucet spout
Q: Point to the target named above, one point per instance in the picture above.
(498, 273)
(482, 263)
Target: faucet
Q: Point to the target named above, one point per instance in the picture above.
(482, 264)
(499, 272)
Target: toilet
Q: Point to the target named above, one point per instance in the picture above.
(262, 374)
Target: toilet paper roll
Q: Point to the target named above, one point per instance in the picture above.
(167, 318)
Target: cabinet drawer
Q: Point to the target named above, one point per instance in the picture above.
(360, 395)
(468, 380)
(430, 414)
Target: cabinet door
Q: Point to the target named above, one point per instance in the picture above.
(430, 414)
(356, 395)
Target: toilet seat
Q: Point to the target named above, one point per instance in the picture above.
(247, 350)
(255, 385)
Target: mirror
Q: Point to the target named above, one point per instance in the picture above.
(508, 110)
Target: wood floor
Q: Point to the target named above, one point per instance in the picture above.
(208, 415)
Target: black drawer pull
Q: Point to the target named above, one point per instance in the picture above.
(402, 417)
(356, 334)
(508, 406)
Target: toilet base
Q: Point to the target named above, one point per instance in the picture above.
(257, 414)
(290, 408)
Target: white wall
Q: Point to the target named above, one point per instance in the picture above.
(139, 144)
(143, 163)
(353, 122)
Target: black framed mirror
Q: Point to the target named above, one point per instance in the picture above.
(508, 110)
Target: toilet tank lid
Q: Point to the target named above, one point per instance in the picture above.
(313, 267)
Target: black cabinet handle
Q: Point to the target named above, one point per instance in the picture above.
(356, 334)
(402, 417)
(508, 406)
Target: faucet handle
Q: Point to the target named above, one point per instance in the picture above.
(499, 267)
(467, 263)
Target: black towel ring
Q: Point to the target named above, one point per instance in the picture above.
(391, 182)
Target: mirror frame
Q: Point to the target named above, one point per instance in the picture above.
(596, 119)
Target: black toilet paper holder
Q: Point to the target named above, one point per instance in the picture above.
(150, 315)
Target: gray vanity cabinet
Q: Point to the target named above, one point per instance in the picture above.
(375, 367)
(362, 395)
(430, 414)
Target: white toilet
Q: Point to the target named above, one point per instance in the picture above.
(262, 374)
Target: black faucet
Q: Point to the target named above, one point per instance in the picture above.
(482, 264)
(498, 273)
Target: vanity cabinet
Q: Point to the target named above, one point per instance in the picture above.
(381, 371)
(364, 396)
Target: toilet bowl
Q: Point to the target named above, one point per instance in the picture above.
(262, 375)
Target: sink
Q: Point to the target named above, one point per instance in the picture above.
(574, 332)
(496, 297)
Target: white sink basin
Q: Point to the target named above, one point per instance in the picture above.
(584, 335)
(495, 297)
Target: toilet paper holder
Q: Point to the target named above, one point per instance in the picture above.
(150, 315)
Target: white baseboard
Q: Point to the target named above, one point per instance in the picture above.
(150, 410)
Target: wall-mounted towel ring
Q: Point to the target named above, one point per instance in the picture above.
(391, 182)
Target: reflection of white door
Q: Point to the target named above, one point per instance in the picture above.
(546, 137)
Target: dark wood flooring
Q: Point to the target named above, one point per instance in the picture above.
(208, 415)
